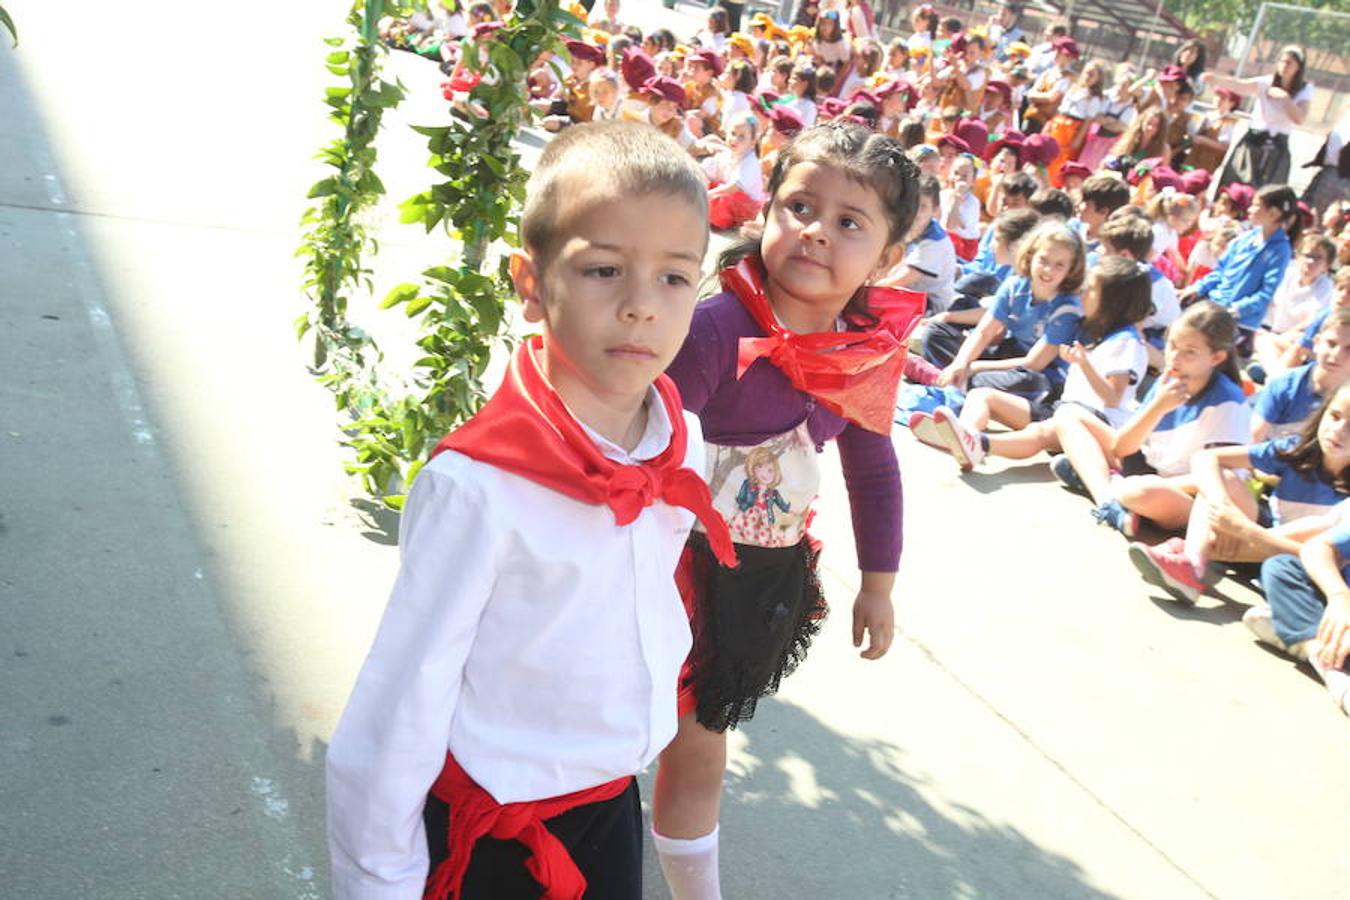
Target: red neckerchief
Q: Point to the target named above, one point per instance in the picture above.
(475, 814)
(526, 429)
(853, 374)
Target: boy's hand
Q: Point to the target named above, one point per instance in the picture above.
(874, 614)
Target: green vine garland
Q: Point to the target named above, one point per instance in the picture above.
(459, 308)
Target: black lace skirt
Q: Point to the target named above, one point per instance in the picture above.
(752, 625)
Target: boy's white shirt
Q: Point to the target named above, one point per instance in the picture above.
(1295, 305)
(528, 633)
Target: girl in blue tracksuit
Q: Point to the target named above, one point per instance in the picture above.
(1251, 268)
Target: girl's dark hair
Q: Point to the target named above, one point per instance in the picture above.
(826, 80)
(1297, 52)
(912, 133)
(1052, 202)
(1020, 184)
(1282, 197)
(1219, 329)
(953, 25)
(873, 160)
(837, 29)
(1194, 69)
(931, 21)
(743, 76)
(807, 74)
(1306, 454)
(719, 20)
(861, 109)
(633, 33)
(1125, 297)
(931, 188)
(663, 38)
(1015, 224)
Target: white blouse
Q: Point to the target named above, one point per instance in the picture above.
(1269, 115)
(527, 633)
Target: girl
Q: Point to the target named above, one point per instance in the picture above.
(804, 89)
(1190, 58)
(1276, 353)
(1174, 216)
(1143, 467)
(1214, 132)
(1228, 523)
(1083, 103)
(1014, 348)
(738, 83)
(1282, 102)
(1145, 138)
(1109, 124)
(832, 46)
(924, 22)
(1251, 268)
(735, 182)
(1289, 399)
(1106, 363)
(996, 110)
(960, 208)
(1306, 289)
(840, 201)
(718, 30)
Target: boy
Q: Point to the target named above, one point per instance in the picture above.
(1130, 235)
(527, 663)
(1100, 195)
(930, 260)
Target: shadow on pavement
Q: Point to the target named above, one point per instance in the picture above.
(380, 522)
(828, 815)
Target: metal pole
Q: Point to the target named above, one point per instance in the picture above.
(1148, 38)
(1251, 39)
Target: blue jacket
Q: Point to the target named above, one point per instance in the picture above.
(1247, 275)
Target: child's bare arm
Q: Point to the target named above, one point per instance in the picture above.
(1323, 565)
(1207, 467)
(987, 332)
(1110, 389)
(1171, 394)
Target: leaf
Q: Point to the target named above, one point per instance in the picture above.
(416, 306)
(395, 501)
(337, 57)
(335, 41)
(324, 188)
(9, 24)
(400, 294)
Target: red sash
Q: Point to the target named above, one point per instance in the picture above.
(525, 428)
(474, 814)
(853, 374)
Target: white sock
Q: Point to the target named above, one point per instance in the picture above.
(690, 865)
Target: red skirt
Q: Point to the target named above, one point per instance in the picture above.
(966, 248)
(731, 209)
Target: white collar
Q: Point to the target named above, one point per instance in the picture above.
(656, 434)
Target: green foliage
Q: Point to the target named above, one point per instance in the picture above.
(460, 308)
(6, 21)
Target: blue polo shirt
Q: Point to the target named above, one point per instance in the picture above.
(1247, 274)
(984, 262)
(1027, 321)
(1299, 494)
(1310, 333)
(1288, 401)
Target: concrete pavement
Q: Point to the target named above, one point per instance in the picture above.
(1044, 727)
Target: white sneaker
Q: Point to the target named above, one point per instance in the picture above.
(1258, 622)
(1336, 680)
(925, 430)
(963, 443)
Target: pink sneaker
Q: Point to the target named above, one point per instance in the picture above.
(925, 430)
(963, 443)
(1167, 567)
(920, 371)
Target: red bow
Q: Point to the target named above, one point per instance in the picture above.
(525, 428)
(853, 374)
(474, 814)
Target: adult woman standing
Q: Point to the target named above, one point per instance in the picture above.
(1282, 101)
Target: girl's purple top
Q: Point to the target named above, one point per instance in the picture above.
(763, 404)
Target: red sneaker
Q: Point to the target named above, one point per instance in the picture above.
(1167, 567)
(920, 371)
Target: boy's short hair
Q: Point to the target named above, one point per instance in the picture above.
(1052, 202)
(635, 158)
(1107, 191)
(1128, 211)
(1020, 184)
(1128, 234)
(1013, 225)
(1322, 245)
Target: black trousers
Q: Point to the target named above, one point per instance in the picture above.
(605, 840)
(943, 340)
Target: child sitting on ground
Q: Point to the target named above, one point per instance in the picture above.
(1106, 364)
(1289, 399)
(1228, 523)
(735, 180)
(566, 487)
(1127, 233)
(1277, 353)
(930, 259)
(1143, 467)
